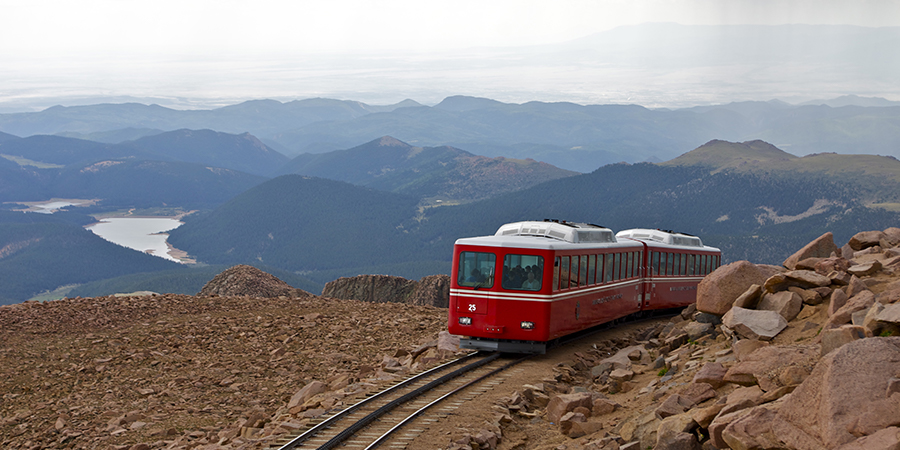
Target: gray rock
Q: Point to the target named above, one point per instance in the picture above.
(786, 303)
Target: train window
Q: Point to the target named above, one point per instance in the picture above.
(677, 269)
(516, 269)
(639, 266)
(600, 269)
(476, 269)
(670, 265)
(556, 273)
(703, 259)
(617, 267)
(573, 277)
(563, 272)
(592, 269)
(630, 265)
(654, 263)
(583, 278)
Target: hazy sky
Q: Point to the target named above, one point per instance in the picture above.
(214, 49)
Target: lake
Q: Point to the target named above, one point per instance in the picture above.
(144, 234)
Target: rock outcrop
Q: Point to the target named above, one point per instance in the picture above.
(243, 280)
(433, 290)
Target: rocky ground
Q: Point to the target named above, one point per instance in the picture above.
(804, 356)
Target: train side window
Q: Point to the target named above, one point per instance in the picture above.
(670, 263)
(556, 273)
(516, 269)
(476, 269)
(654, 263)
(630, 265)
(564, 272)
(582, 279)
(592, 269)
(617, 267)
(703, 269)
(691, 264)
(602, 277)
(639, 266)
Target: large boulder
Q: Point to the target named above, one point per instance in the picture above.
(718, 290)
(752, 324)
(847, 392)
(767, 366)
(786, 303)
(821, 247)
(866, 239)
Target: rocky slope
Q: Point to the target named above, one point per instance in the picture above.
(804, 356)
(432, 290)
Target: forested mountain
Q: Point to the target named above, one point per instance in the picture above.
(112, 136)
(242, 152)
(39, 251)
(301, 224)
(756, 215)
(444, 173)
(238, 152)
(566, 135)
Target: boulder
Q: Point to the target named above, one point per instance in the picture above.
(696, 393)
(836, 337)
(711, 373)
(307, 392)
(561, 404)
(675, 433)
(842, 388)
(842, 316)
(886, 439)
(786, 303)
(673, 405)
(805, 279)
(718, 290)
(821, 247)
(752, 324)
(865, 269)
(838, 300)
(764, 365)
(753, 431)
(866, 239)
(750, 298)
(808, 296)
(890, 314)
(831, 264)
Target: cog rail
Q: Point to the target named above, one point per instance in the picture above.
(390, 407)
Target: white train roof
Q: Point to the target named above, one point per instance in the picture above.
(549, 235)
(664, 237)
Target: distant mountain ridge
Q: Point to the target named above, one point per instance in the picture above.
(444, 173)
(876, 177)
(566, 135)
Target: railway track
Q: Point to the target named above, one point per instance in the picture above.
(377, 419)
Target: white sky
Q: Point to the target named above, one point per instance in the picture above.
(46, 28)
(197, 53)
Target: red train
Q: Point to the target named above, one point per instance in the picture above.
(534, 282)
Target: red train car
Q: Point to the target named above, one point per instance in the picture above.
(534, 282)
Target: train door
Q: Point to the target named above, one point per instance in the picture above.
(646, 285)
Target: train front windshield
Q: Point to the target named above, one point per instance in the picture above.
(476, 269)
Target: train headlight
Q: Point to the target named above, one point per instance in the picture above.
(465, 321)
(527, 325)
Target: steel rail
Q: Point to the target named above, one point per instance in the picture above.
(293, 443)
(421, 410)
(365, 421)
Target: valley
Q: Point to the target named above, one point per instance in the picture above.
(390, 206)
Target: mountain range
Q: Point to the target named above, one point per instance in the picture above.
(755, 213)
(567, 135)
